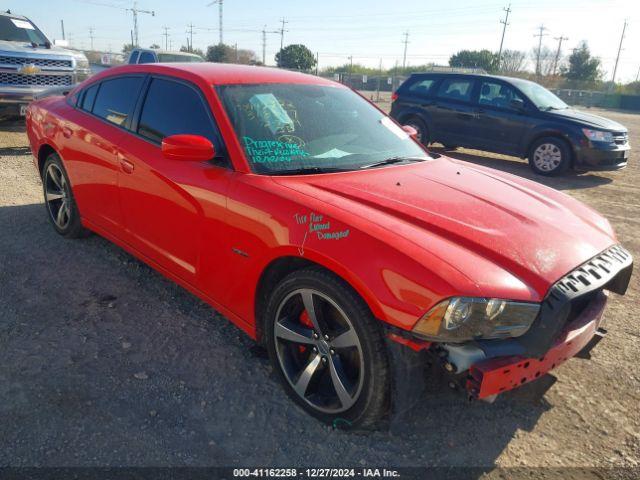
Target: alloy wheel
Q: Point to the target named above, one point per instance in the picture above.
(547, 157)
(57, 196)
(319, 351)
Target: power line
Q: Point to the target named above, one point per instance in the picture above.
(555, 62)
(541, 34)
(219, 3)
(505, 22)
(615, 68)
(404, 56)
(282, 30)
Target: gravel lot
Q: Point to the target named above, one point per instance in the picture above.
(105, 362)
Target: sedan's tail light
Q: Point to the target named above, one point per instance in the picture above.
(394, 96)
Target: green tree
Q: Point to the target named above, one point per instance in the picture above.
(127, 47)
(296, 57)
(582, 66)
(220, 53)
(197, 51)
(155, 46)
(475, 59)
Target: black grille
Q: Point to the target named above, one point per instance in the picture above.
(40, 62)
(19, 80)
(598, 270)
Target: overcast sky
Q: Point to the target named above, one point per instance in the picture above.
(369, 30)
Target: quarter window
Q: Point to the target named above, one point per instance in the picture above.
(173, 108)
(456, 89)
(89, 98)
(495, 94)
(116, 99)
(147, 57)
(422, 87)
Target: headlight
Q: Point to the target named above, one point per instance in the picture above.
(598, 135)
(81, 62)
(465, 318)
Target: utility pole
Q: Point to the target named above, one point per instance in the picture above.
(555, 62)
(190, 32)
(282, 30)
(541, 34)
(62, 28)
(615, 69)
(219, 3)
(504, 22)
(638, 74)
(378, 83)
(132, 43)
(166, 37)
(317, 62)
(91, 36)
(264, 45)
(264, 42)
(237, 56)
(135, 10)
(350, 68)
(404, 56)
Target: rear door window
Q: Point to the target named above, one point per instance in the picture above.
(147, 57)
(134, 57)
(172, 108)
(116, 98)
(456, 89)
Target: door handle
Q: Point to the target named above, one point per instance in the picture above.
(126, 165)
(67, 132)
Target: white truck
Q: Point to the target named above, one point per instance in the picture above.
(31, 64)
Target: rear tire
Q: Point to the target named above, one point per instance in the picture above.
(421, 128)
(62, 210)
(332, 362)
(550, 156)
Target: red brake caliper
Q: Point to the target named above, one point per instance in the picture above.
(306, 321)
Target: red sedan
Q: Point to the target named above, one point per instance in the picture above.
(326, 232)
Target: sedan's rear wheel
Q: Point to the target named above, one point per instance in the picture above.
(327, 349)
(58, 197)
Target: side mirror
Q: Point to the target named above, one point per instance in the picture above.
(517, 104)
(413, 133)
(187, 147)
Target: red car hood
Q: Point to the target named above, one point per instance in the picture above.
(535, 233)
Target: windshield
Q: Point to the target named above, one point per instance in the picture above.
(287, 128)
(540, 96)
(18, 30)
(176, 57)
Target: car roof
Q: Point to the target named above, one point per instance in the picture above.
(220, 73)
(13, 15)
(472, 75)
(172, 52)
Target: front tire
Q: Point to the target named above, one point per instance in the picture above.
(328, 350)
(58, 198)
(550, 156)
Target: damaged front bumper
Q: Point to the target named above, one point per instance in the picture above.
(570, 321)
(497, 375)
